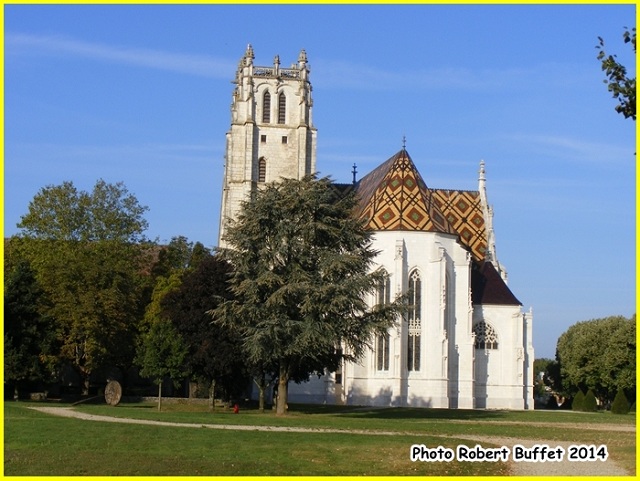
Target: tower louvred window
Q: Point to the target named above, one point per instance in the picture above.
(282, 108)
(266, 108)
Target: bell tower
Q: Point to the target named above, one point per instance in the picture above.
(272, 134)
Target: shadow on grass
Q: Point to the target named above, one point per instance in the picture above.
(396, 412)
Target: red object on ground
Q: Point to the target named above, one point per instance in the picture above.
(236, 409)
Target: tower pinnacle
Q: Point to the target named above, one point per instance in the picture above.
(271, 136)
(491, 254)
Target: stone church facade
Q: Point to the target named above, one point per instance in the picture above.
(465, 342)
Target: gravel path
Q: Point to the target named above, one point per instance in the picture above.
(563, 468)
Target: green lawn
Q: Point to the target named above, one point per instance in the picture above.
(41, 444)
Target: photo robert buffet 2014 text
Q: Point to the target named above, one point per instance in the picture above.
(538, 453)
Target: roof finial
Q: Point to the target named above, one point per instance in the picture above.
(248, 55)
(302, 58)
(354, 172)
(404, 142)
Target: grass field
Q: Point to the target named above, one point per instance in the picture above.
(42, 444)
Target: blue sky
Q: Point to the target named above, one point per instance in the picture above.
(141, 94)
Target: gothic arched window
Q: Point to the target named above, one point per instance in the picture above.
(282, 108)
(382, 352)
(415, 322)
(266, 107)
(262, 169)
(383, 296)
(415, 297)
(383, 292)
(486, 336)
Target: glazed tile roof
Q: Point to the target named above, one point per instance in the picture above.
(464, 211)
(395, 197)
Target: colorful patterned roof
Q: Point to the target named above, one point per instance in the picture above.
(464, 211)
(394, 197)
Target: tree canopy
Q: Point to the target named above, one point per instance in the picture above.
(62, 212)
(215, 353)
(29, 338)
(162, 353)
(301, 270)
(87, 254)
(599, 354)
(621, 86)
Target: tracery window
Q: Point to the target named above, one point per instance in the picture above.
(266, 107)
(262, 169)
(282, 108)
(414, 321)
(382, 352)
(486, 336)
(384, 289)
(383, 295)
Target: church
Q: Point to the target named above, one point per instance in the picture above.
(465, 342)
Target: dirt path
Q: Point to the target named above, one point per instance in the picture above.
(564, 468)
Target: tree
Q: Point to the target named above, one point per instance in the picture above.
(215, 353)
(301, 269)
(552, 376)
(175, 257)
(620, 403)
(619, 357)
(578, 401)
(540, 375)
(29, 336)
(154, 309)
(598, 355)
(161, 354)
(62, 212)
(87, 252)
(621, 86)
(589, 403)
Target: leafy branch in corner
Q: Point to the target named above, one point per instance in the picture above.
(622, 87)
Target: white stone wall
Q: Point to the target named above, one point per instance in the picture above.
(502, 374)
(437, 258)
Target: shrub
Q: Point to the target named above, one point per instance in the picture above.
(620, 403)
(578, 401)
(589, 404)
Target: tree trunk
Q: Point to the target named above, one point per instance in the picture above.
(212, 398)
(262, 387)
(85, 386)
(283, 383)
(261, 398)
(160, 396)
